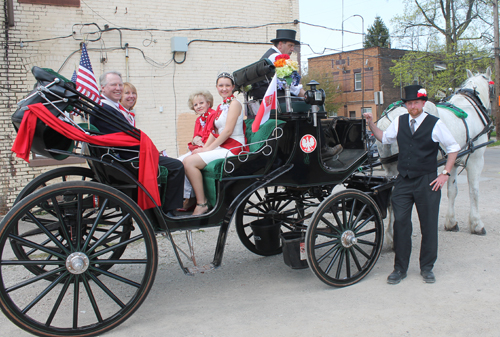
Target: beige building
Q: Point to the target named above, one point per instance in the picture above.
(133, 37)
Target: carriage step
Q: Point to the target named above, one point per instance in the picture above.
(200, 269)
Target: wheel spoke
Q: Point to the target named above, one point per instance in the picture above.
(76, 301)
(116, 277)
(118, 245)
(359, 216)
(44, 292)
(326, 244)
(341, 263)
(37, 246)
(355, 258)
(34, 279)
(122, 261)
(57, 304)
(330, 225)
(48, 233)
(95, 224)
(107, 291)
(329, 252)
(97, 312)
(61, 226)
(361, 251)
(105, 236)
(362, 225)
(332, 261)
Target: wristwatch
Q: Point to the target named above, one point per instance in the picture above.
(445, 172)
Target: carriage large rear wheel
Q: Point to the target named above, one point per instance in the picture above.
(52, 177)
(291, 208)
(344, 238)
(82, 289)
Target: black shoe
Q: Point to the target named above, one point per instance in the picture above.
(396, 277)
(428, 276)
(329, 152)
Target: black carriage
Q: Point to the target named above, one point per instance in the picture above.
(88, 252)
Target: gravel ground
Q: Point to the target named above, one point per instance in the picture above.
(251, 295)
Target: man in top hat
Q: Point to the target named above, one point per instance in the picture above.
(418, 135)
(284, 43)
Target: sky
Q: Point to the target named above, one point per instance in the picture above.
(329, 13)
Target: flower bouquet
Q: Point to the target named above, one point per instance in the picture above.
(286, 70)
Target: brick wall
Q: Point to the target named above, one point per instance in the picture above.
(147, 27)
(375, 62)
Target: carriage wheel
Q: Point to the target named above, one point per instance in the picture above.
(287, 206)
(82, 290)
(344, 238)
(49, 178)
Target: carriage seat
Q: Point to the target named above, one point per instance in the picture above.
(108, 174)
(215, 169)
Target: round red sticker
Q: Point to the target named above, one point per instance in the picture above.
(308, 143)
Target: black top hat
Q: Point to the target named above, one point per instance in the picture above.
(285, 35)
(414, 92)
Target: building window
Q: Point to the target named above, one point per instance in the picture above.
(357, 81)
(366, 110)
(352, 114)
(67, 3)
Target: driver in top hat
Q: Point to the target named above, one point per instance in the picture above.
(284, 43)
(418, 135)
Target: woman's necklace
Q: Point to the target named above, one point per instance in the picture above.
(224, 107)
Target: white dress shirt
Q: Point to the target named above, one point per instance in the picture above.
(440, 133)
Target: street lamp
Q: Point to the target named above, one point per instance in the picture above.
(363, 60)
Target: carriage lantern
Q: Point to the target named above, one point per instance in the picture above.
(314, 97)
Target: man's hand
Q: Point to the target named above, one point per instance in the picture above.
(439, 182)
(368, 116)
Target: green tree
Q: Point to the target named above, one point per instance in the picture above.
(378, 35)
(438, 72)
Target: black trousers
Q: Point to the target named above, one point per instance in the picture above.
(175, 183)
(407, 192)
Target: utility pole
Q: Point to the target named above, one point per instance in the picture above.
(495, 105)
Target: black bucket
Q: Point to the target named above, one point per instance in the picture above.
(294, 253)
(266, 235)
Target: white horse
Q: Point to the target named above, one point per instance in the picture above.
(470, 133)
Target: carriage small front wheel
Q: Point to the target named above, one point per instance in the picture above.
(81, 288)
(344, 238)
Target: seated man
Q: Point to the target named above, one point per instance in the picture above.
(111, 92)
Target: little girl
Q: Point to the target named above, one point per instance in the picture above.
(201, 102)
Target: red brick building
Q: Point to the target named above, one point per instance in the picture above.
(361, 74)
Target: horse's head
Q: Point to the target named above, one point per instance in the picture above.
(481, 84)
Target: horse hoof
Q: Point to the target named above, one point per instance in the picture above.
(453, 229)
(482, 232)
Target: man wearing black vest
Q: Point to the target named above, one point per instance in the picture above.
(418, 135)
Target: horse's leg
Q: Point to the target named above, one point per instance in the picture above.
(474, 169)
(389, 232)
(451, 223)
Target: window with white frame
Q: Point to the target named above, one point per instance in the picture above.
(357, 81)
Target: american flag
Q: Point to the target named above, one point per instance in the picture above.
(85, 79)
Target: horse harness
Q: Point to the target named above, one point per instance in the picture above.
(472, 97)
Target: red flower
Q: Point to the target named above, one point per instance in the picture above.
(491, 82)
(283, 56)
